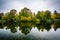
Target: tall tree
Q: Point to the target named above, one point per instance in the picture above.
(25, 14)
(1, 14)
(47, 14)
(38, 15)
(12, 13)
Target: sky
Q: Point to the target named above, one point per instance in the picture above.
(33, 5)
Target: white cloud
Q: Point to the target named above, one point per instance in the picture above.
(34, 5)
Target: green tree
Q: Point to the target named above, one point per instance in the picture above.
(38, 15)
(1, 14)
(12, 13)
(42, 15)
(25, 14)
(47, 14)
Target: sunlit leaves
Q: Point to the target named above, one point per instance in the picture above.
(26, 15)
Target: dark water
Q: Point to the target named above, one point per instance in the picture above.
(30, 31)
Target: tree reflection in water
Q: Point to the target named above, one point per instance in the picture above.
(25, 27)
(56, 26)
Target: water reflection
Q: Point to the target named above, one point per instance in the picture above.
(25, 27)
(56, 26)
(29, 31)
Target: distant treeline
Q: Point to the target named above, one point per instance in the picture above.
(26, 15)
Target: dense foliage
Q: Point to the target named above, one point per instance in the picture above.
(26, 15)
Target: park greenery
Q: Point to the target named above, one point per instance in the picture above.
(27, 16)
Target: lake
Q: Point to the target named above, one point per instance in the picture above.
(30, 31)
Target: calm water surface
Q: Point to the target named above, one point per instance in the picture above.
(30, 31)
